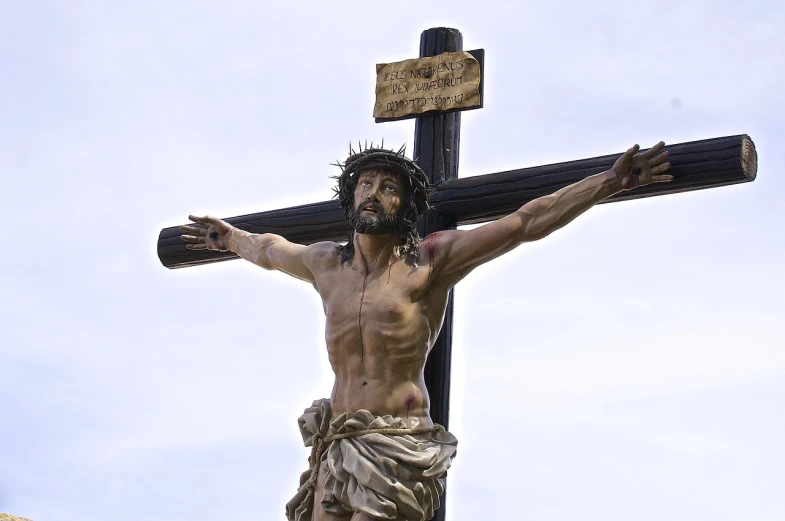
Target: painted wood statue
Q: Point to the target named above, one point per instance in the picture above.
(375, 452)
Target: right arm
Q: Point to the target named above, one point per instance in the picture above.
(267, 250)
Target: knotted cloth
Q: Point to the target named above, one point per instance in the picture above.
(372, 464)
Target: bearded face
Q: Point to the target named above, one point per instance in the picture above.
(370, 218)
(375, 209)
(377, 198)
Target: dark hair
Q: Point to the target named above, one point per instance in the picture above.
(413, 203)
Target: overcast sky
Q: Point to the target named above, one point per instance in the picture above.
(629, 366)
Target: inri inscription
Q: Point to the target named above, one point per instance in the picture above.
(449, 81)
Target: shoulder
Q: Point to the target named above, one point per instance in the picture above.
(323, 254)
(437, 244)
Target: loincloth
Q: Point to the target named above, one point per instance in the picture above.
(385, 475)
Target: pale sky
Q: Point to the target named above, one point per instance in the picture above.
(629, 366)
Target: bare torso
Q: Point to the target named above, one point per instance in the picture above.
(382, 321)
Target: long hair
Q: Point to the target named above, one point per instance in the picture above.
(413, 203)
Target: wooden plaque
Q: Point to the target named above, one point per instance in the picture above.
(444, 83)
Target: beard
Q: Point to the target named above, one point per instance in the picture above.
(380, 224)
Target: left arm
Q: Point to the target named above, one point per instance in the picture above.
(459, 252)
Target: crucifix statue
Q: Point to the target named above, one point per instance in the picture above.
(380, 448)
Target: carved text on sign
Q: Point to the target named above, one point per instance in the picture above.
(448, 81)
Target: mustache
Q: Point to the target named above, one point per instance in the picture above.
(373, 204)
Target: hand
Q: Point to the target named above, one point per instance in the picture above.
(635, 168)
(213, 234)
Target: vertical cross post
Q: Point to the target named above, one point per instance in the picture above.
(436, 141)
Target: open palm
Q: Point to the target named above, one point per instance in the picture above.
(213, 234)
(636, 168)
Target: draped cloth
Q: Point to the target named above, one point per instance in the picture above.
(372, 464)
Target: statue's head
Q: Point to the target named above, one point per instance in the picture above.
(364, 177)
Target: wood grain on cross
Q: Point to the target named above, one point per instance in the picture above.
(694, 166)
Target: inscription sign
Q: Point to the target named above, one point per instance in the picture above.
(447, 82)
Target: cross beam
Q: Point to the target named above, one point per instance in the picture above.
(695, 165)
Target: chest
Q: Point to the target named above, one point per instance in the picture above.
(389, 294)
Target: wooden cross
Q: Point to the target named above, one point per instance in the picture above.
(694, 165)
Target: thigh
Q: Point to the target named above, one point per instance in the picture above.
(319, 514)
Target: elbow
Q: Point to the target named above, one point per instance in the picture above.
(264, 259)
(534, 223)
(536, 234)
(264, 263)
(263, 252)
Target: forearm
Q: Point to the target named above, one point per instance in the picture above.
(250, 246)
(547, 214)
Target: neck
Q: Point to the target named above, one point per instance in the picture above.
(374, 250)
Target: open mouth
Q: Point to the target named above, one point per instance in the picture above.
(370, 208)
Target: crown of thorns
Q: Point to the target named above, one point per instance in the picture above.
(379, 157)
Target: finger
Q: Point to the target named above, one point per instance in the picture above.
(196, 246)
(661, 178)
(193, 229)
(660, 169)
(623, 165)
(653, 151)
(192, 238)
(659, 159)
(206, 220)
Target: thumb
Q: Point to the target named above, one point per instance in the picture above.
(632, 151)
(624, 163)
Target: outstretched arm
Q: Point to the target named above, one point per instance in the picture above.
(459, 252)
(267, 250)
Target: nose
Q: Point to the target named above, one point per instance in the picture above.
(374, 194)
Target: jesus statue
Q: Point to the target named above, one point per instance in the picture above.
(375, 452)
